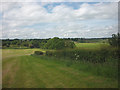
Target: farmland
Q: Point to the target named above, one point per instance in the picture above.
(23, 70)
(91, 45)
(59, 44)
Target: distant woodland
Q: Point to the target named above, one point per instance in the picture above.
(44, 43)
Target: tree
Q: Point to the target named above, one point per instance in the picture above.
(115, 40)
(69, 44)
(56, 43)
(31, 46)
(26, 44)
(36, 44)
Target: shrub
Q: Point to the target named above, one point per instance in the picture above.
(49, 53)
(94, 56)
(115, 40)
(38, 53)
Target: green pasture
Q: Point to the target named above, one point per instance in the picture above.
(20, 69)
(91, 45)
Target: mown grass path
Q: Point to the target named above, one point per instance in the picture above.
(27, 71)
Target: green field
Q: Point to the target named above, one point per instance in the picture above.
(22, 70)
(91, 45)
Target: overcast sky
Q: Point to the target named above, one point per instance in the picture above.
(58, 19)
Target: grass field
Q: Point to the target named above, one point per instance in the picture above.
(21, 70)
(91, 45)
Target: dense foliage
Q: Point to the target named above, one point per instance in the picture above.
(54, 43)
(38, 53)
(115, 40)
(24, 43)
(95, 56)
(57, 43)
(41, 43)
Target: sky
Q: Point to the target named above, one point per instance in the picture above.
(34, 20)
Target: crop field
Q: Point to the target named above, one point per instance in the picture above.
(22, 70)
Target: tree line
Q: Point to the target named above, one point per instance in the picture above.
(54, 43)
(57, 43)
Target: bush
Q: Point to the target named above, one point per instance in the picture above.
(94, 56)
(115, 40)
(38, 53)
